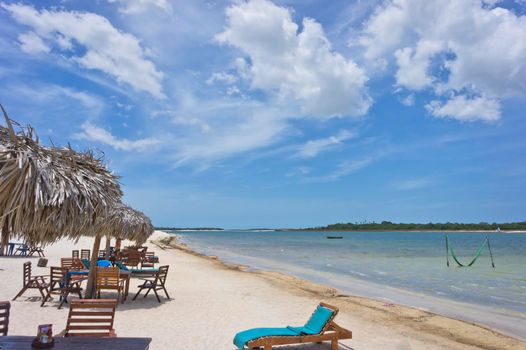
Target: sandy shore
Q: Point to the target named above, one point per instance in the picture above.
(211, 301)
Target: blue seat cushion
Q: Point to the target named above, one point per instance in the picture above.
(86, 263)
(104, 263)
(121, 266)
(251, 334)
(318, 320)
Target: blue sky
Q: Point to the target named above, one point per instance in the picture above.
(286, 113)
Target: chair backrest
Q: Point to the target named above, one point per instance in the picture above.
(75, 254)
(102, 253)
(132, 258)
(91, 317)
(107, 278)
(5, 306)
(85, 254)
(56, 274)
(71, 263)
(162, 274)
(27, 273)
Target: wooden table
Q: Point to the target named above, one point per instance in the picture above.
(78, 343)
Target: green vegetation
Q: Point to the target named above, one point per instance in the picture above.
(448, 226)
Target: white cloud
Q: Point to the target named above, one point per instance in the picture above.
(94, 133)
(191, 121)
(32, 43)
(466, 109)
(103, 46)
(314, 147)
(299, 66)
(221, 77)
(474, 48)
(132, 7)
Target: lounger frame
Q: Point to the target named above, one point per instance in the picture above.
(331, 332)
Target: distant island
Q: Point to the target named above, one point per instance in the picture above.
(448, 226)
(189, 228)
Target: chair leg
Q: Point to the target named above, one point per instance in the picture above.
(157, 295)
(148, 292)
(165, 292)
(139, 292)
(334, 344)
(20, 293)
(41, 290)
(46, 298)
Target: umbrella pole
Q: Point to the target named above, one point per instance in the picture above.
(4, 241)
(118, 244)
(93, 263)
(107, 250)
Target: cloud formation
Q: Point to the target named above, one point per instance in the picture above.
(299, 66)
(454, 48)
(91, 41)
(314, 147)
(132, 7)
(94, 133)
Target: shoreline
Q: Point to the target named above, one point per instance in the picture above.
(418, 319)
(361, 231)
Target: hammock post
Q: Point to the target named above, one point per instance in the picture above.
(447, 252)
(490, 253)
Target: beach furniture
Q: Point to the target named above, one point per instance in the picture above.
(85, 254)
(22, 250)
(78, 343)
(32, 282)
(75, 254)
(108, 278)
(149, 260)
(64, 282)
(154, 283)
(91, 318)
(71, 263)
(5, 306)
(38, 250)
(102, 254)
(319, 328)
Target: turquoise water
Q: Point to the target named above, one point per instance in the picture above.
(401, 262)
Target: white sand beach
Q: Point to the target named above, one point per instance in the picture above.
(211, 301)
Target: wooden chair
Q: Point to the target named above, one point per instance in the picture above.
(148, 260)
(32, 282)
(132, 258)
(75, 254)
(73, 264)
(91, 318)
(5, 306)
(38, 250)
(154, 284)
(327, 331)
(63, 284)
(85, 254)
(22, 250)
(102, 254)
(108, 278)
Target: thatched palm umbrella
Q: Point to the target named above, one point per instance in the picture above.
(122, 222)
(47, 193)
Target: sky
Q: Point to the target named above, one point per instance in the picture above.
(283, 113)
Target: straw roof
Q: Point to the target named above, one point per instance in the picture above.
(47, 193)
(127, 223)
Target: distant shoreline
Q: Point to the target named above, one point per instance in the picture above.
(342, 230)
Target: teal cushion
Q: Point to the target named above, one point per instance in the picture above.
(86, 263)
(318, 320)
(252, 334)
(144, 270)
(121, 266)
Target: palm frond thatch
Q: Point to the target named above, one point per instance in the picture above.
(127, 223)
(47, 193)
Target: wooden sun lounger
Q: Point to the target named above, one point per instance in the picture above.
(331, 332)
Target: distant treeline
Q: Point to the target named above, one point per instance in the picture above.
(188, 228)
(448, 226)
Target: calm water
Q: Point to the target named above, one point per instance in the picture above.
(410, 266)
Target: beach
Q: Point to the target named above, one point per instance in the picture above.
(211, 301)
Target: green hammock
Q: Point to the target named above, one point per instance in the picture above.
(449, 249)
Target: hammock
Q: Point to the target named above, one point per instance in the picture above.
(449, 249)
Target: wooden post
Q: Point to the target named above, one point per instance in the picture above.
(107, 250)
(93, 264)
(118, 244)
(4, 241)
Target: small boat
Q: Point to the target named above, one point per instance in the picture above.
(334, 237)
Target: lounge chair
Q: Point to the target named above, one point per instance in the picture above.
(319, 328)
(137, 272)
(156, 283)
(4, 317)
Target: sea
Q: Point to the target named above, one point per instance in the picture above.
(408, 268)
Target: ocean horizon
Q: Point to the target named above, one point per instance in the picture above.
(407, 268)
